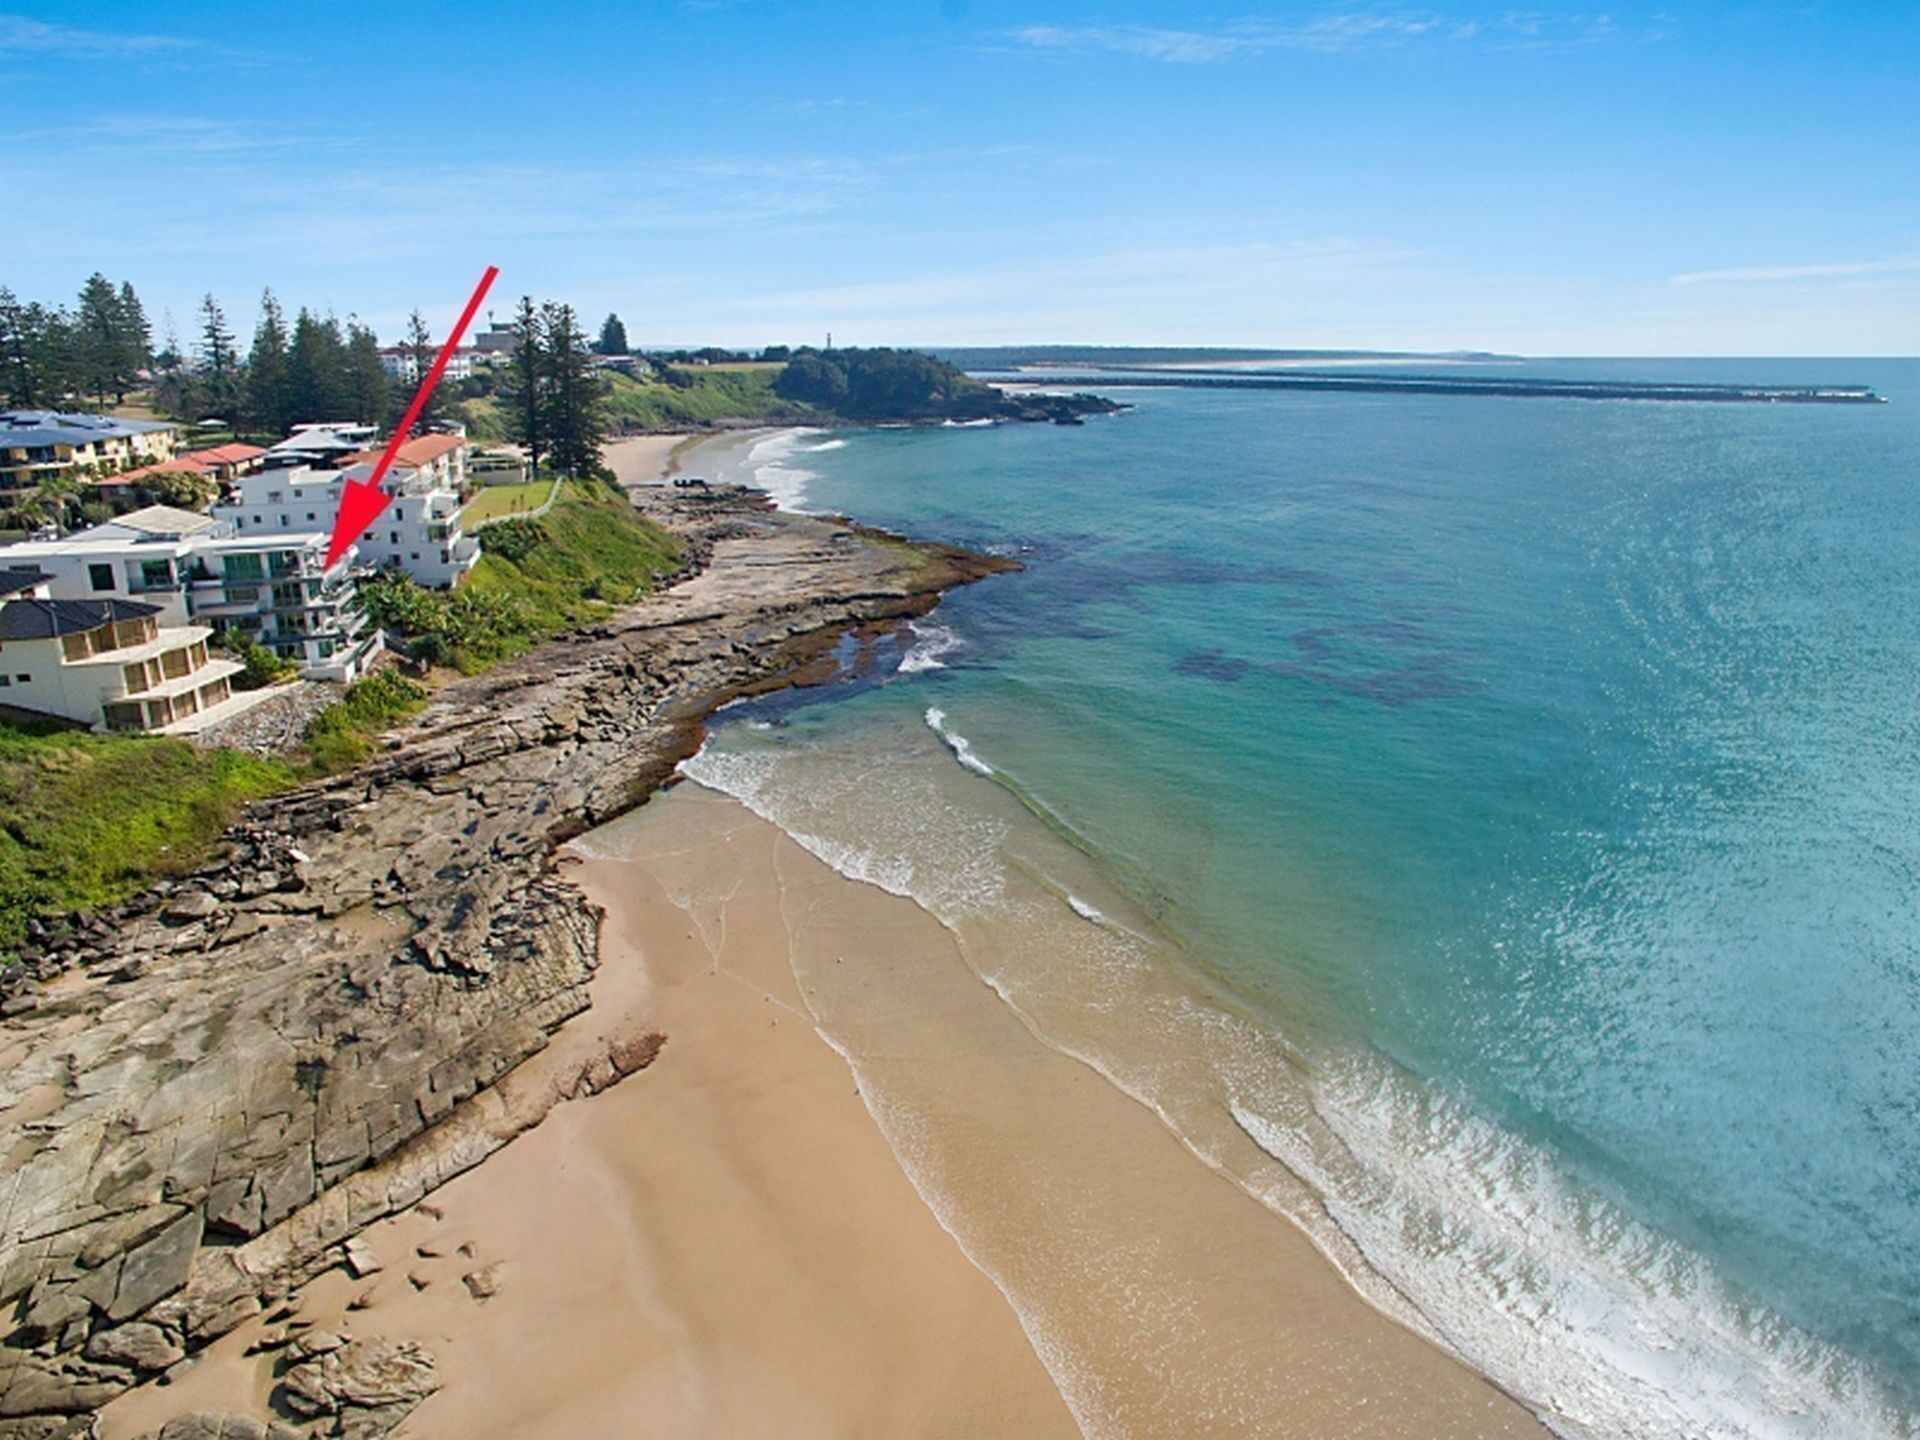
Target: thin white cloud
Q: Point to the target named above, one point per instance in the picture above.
(23, 35)
(1180, 47)
(1342, 32)
(1762, 274)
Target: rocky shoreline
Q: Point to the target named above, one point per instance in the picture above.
(207, 1093)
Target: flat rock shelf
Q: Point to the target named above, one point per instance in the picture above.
(206, 1093)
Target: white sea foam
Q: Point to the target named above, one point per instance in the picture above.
(1616, 1329)
(961, 746)
(1084, 910)
(769, 463)
(1605, 1325)
(932, 643)
(824, 446)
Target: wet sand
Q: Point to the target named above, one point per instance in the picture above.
(855, 1196)
(652, 459)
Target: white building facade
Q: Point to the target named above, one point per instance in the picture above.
(275, 588)
(110, 664)
(418, 534)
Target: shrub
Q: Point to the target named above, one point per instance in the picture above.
(264, 666)
(338, 738)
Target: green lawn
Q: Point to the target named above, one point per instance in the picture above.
(495, 500)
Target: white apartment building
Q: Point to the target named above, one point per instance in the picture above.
(278, 590)
(111, 663)
(418, 534)
(194, 569)
(400, 362)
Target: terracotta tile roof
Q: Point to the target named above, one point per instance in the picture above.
(235, 454)
(187, 463)
(425, 449)
(421, 450)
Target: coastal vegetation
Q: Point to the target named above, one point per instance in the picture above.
(535, 578)
(341, 736)
(682, 398)
(551, 398)
(90, 819)
(555, 392)
(906, 385)
(96, 349)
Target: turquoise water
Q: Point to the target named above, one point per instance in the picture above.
(1560, 761)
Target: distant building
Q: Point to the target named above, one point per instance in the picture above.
(419, 533)
(496, 340)
(400, 362)
(219, 464)
(110, 663)
(321, 445)
(274, 588)
(634, 365)
(37, 445)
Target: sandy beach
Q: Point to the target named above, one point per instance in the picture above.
(727, 1244)
(650, 459)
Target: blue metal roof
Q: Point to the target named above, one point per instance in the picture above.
(54, 427)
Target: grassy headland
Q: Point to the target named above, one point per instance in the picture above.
(535, 579)
(704, 395)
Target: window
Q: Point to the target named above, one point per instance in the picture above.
(414, 556)
(100, 576)
(24, 679)
(4, 682)
(155, 575)
(393, 537)
(309, 515)
(283, 522)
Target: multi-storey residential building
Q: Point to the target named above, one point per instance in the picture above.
(140, 556)
(275, 588)
(439, 461)
(37, 445)
(279, 591)
(111, 663)
(400, 362)
(418, 534)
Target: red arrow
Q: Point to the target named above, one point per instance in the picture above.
(362, 501)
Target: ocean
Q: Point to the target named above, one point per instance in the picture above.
(1502, 812)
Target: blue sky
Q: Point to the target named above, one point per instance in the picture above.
(1682, 179)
